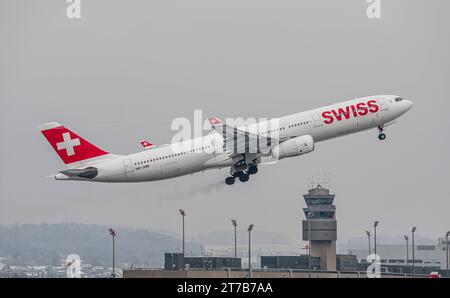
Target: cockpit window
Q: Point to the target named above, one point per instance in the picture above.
(398, 99)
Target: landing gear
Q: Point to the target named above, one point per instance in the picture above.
(240, 165)
(252, 169)
(242, 170)
(230, 180)
(237, 174)
(381, 135)
(244, 177)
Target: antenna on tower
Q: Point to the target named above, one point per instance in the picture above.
(309, 186)
(319, 177)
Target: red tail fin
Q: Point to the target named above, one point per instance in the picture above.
(68, 145)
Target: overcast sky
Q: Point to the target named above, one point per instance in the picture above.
(126, 69)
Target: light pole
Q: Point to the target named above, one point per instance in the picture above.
(234, 222)
(112, 232)
(446, 250)
(250, 228)
(375, 225)
(407, 249)
(413, 256)
(368, 238)
(308, 217)
(183, 214)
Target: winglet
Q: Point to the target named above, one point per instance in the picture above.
(147, 145)
(214, 121)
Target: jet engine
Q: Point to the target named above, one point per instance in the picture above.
(293, 147)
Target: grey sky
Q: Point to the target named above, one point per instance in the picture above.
(127, 68)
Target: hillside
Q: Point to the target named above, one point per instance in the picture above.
(49, 244)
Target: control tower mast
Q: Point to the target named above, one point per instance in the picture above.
(321, 226)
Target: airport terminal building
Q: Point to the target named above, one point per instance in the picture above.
(433, 255)
(319, 229)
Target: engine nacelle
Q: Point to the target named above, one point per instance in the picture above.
(293, 147)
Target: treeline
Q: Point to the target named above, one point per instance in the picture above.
(50, 244)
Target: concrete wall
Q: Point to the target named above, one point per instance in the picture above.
(319, 230)
(156, 273)
(326, 250)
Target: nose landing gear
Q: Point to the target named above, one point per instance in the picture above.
(381, 135)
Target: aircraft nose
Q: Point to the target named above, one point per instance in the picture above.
(408, 104)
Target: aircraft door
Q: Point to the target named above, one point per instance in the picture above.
(128, 166)
(317, 120)
(382, 103)
(381, 115)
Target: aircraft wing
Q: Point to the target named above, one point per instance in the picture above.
(237, 141)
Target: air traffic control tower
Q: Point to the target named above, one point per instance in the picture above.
(320, 226)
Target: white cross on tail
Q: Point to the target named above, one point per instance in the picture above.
(68, 144)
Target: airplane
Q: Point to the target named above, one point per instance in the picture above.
(239, 148)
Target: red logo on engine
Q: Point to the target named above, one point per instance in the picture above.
(360, 109)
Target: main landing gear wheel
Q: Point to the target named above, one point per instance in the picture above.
(229, 180)
(252, 170)
(244, 177)
(237, 174)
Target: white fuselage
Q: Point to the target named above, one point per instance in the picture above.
(205, 152)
